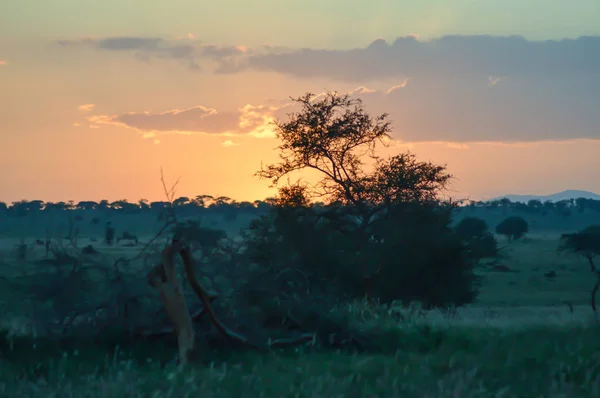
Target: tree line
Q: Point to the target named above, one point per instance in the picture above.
(23, 208)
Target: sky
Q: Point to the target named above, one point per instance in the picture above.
(97, 96)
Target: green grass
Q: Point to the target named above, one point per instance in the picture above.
(417, 361)
(531, 259)
(518, 340)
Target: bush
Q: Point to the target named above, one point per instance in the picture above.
(471, 227)
(513, 228)
(416, 256)
(423, 259)
(479, 240)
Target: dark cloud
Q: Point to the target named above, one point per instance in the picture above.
(128, 43)
(186, 50)
(445, 57)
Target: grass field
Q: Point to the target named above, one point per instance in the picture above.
(529, 335)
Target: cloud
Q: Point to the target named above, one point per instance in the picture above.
(454, 111)
(3, 62)
(85, 108)
(251, 120)
(229, 144)
(184, 49)
(454, 145)
(445, 57)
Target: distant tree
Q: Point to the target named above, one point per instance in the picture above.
(245, 206)
(261, 206)
(548, 207)
(521, 207)
(143, 204)
(222, 201)
(587, 244)
(36, 205)
(181, 201)
(19, 208)
(534, 204)
(204, 200)
(103, 205)
(86, 205)
(580, 204)
(513, 228)
(57, 206)
(564, 207)
(505, 204)
(159, 205)
(124, 206)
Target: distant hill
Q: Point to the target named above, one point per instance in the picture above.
(555, 197)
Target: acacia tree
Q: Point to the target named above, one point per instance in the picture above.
(587, 244)
(333, 135)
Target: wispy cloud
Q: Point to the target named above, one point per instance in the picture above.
(3, 62)
(251, 120)
(85, 108)
(184, 49)
(229, 144)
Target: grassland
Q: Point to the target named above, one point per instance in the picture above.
(529, 335)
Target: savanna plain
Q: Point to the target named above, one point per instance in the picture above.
(530, 332)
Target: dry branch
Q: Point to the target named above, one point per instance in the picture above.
(163, 277)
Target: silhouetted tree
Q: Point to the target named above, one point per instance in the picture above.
(534, 204)
(587, 244)
(87, 205)
(331, 136)
(103, 205)
(181, 201)
(143, 204)
(513, 228)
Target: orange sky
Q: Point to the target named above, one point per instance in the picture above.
(94, 114)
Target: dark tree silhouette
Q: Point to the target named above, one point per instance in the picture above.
(587, 244)
(332, 135)
(513, 228)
